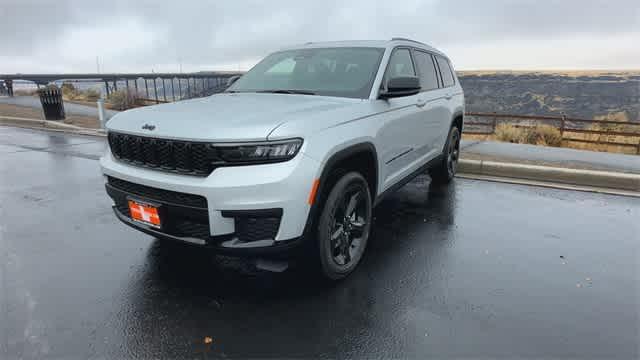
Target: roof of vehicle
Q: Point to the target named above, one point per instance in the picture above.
(367, 43)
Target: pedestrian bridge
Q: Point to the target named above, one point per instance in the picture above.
(155, 86)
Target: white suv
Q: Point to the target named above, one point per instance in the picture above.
(294, 155)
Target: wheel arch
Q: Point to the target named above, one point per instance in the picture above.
(458, 119)
(341, 157)
(328, 176)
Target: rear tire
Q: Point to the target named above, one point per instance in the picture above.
(445, 171)
(343, 226)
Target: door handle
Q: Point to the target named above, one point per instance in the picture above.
(448, 96)
(421, 102)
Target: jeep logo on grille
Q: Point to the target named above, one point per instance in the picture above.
(148, 127)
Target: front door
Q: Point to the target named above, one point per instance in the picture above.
(400, 141)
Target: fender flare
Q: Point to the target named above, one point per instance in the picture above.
(457, 114)
(326, 172)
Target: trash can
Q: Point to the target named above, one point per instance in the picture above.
(52, 105)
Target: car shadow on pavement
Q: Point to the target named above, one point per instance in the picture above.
(397, 219)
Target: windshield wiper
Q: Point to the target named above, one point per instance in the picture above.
(287, 91)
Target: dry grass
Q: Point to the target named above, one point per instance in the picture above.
(550, 136)
(508, 133)
(632, 140)
(537, 135)
(544, 135)
(71, 93)
(125, 99)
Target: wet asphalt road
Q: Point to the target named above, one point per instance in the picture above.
(479, 269)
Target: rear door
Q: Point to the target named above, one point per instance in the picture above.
(448, 92)
(433, 103)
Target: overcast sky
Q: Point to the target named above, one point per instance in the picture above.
(140, 36)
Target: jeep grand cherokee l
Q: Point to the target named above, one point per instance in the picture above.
(294, 155)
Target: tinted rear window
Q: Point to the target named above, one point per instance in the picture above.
(445, 70)
(426, 70)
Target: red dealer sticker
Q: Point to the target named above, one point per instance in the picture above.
(144, 213)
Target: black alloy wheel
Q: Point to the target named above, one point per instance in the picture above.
(453, 152)
(344, 226)
(445, 170)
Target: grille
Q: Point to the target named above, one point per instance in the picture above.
(159, 195)
(254, 229)
(182, 157)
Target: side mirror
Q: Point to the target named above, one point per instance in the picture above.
(232, 79)
(401, 86)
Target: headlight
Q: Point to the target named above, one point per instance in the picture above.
(257, 152)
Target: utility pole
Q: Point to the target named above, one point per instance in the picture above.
(98, 64)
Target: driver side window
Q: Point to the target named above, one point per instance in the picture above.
(400, 64)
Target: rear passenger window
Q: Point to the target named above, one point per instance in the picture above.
(445, 70)
(400, 64)
(426, 70)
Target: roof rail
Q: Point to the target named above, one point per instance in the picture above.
(406, 39)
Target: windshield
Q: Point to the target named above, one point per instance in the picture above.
(343, 72)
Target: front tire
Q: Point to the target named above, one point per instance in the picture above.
(444, 172)
(343, 227)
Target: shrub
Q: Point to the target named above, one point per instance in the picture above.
(508, 133)
(67, 87)
(92, 95)
(69, 91)
(123, 99)
(537, 135)
(543, 135)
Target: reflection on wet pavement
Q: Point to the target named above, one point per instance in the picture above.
(478, 269)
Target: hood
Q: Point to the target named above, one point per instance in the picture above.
(223, 117)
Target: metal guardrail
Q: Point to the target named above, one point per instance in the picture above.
(566, 125)
(161, 87)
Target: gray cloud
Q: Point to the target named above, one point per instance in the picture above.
(535, 19)
(139, 35)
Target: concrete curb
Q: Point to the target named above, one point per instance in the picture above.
(49, 125)
(600, 179)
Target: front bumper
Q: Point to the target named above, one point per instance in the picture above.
(283, 249)
(230, 196)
